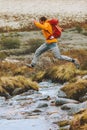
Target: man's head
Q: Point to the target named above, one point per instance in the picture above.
(42, 19)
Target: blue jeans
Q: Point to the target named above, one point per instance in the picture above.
(55, 50)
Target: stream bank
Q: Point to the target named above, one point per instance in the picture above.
(33, 110)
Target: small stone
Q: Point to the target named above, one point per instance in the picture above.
(42, 105)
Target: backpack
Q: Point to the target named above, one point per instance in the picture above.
(57, 30)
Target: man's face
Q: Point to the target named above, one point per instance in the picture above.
(41, 22)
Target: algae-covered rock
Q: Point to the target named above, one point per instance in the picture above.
(76, 90)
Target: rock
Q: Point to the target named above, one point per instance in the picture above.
(18, 91)
(36, 111)
(46, 97)
(74, 108)
(65, 127)
(83, 105)
(69, 106)
(61, 94)
(52, 103)
(42, 105)
(61, 101)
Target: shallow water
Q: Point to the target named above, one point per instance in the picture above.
(32, 110)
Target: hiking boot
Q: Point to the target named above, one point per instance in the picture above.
(30, 65)
(76, 63)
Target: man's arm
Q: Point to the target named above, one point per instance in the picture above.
(41, 26)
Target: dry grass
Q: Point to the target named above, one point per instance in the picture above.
(14, 75)
(39, 76)
(61, 73)
(81, 55)
(79, 121)
(9, 84)
(76, 90)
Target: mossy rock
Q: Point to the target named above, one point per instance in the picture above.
(76, 90)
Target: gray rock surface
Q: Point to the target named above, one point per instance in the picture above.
(74, 108)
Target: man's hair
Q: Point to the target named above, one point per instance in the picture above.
(43, 18)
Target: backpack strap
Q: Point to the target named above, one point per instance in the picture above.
(51, 35)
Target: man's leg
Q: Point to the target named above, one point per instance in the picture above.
(57, 54)
(38, 52)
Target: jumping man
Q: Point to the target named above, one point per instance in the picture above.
(50, 44)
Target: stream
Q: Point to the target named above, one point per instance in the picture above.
(32, 110)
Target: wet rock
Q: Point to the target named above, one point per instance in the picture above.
(65, 127)
(29, 92)
(37, 111)
(61, 94)
(69, 106)
(27, 115)
(52, 103)
(23, 91)
(61, 101)
(2, 99)
(18, 91)
(46, 97)
(42, 105)
(74, 108)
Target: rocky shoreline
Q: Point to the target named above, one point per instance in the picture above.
(38, 87)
